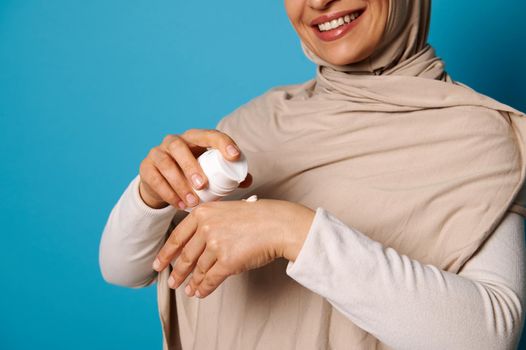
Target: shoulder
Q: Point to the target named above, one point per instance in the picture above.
(482, 119)
(257, 110)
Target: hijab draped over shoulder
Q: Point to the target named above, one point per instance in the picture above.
(394, 148)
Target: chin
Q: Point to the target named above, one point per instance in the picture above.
(344, 56)
(340, 61)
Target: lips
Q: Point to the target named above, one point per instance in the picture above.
(336, 15)
(339, 31)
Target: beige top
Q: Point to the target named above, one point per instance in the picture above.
(406, 304)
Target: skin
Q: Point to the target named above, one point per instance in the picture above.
(357, 44)
(219, 239)
(170, 172)
(223, 238)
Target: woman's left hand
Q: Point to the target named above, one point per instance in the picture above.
(219, 239)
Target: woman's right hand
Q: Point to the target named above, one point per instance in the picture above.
(170, 172)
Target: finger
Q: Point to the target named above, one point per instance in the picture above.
(158, 183)
(195, 149)
(172, 173)
(247, 182)
(204, 263)
(213, 278)
(214, 139)
(177, 240)
(179, 150)
(186, 260)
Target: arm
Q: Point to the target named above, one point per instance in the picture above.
(132, 237)
(409, 305)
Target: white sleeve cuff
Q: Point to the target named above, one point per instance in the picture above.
(140, 206)
(307, 269)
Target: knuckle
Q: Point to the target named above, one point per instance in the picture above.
(151, 153)
(184, 258)
(207, 284)
(177, 276)
(190, 131)
(200, 212)
(199, 268)
(155, 180)
(197, 281)
(168, 138)
(156, 152)
(144, 167)
(206, 229)
(166, 164)
(152, 150)
(176, 143)
(224, 138)
(188, 165)
(213, 134)
(164, 161)
(213, 244)
(181, 269)
(163, 256)
(175, 241)
(227, 263)
(192, 283)
(223, 258)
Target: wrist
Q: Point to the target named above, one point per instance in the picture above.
(150, 200)
(293, 240)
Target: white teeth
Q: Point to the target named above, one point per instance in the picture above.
(335, 23)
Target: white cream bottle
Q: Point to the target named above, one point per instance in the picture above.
(224, 176)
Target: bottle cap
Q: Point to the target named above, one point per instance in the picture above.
(223, 175)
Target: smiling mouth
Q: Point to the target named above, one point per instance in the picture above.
(338, 22)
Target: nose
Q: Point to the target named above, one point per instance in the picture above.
(320, 4)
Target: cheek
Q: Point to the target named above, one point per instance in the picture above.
(375, 33)
(294, 14)
(294, 10)
(381, 11)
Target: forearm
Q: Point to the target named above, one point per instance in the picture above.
(133, 235)
(409, 305)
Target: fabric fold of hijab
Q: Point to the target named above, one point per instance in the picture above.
(393, 147)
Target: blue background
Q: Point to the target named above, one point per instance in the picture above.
(88, 87)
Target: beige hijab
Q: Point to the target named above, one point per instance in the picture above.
(393, 147)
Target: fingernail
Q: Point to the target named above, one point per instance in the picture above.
(198, 180)
(190, 198)
(171, 282)
(156, 264)
(197, 294)
(188, 290)
(181, 205)
(232, 150)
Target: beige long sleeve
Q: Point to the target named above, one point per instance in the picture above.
(406, 304)
(409, 305)
(132, 237)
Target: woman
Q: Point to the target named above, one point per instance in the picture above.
(414, 242)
